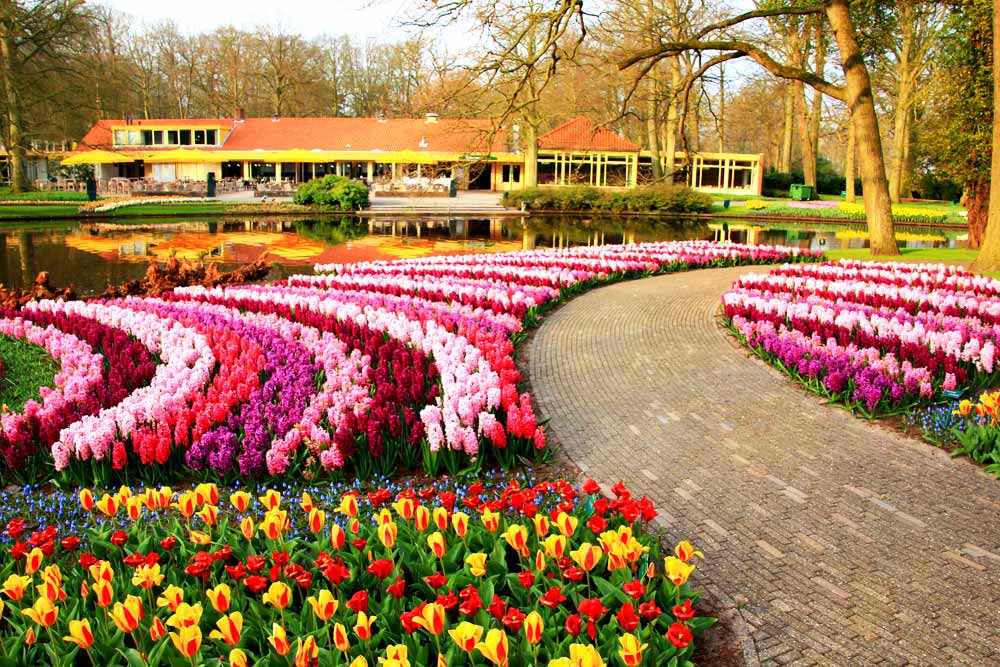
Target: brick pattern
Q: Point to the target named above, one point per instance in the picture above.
(837, 542)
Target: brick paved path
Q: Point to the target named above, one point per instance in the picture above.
(838, 542)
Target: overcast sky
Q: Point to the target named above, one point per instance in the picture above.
(367, 18)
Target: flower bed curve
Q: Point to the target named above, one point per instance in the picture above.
(876, 337)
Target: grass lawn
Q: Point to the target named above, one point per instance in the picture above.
(945, 255)
(208, 208)
(39, 212)
(7, 195)
(26, 367)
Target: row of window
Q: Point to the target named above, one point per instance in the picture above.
(166, 137)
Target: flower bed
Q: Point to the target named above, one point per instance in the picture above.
(105, 205)
(977, 430)
(876, 337)
(519, 574)
(366, 367)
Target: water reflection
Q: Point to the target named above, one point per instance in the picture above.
(92, 255)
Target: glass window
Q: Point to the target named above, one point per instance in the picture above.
(199, 137)
(211, 137)
(185, 138)
(172, 137)
(157, 137)
(120, 137)
(147, 137)
(133, 137)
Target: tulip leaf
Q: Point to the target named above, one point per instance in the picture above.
(157, 652)
(699, 624)
(6, 661)
(608, 589)
(132, 657)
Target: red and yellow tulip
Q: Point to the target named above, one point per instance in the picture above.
(324, 606)
(466, 635)
(495, 647)
(229, 628)
(80, 634)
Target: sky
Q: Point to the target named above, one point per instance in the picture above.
(362, 18)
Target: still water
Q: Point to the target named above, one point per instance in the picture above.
(91, 255)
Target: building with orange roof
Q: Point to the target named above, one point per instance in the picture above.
(385, 151)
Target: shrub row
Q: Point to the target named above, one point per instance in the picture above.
(652, 199)
(336, 192)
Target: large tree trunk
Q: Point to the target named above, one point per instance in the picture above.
(989, 254)
(817, 103)
(529, 137)
(653, 130)
(878, 208)
(849, 163)
(976, 198)
(805, 140)
(785, 165)
(12, 107)
(901, 125)
(670, 128)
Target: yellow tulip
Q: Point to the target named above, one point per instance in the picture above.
(229, 629)
(86, 499)
(240, 501)
(43, 612)
(677, 570)
(387, 534)
(495, 647)
(209, 514)
(306, 652)
(14, 586)
(466, 635)
(587, 556)
(147, 576)
(533, 627)
(363, 626)
(348, 505)
(437, 544)
(172, 596)
(220, 597)
(477, 564)
(185, 615)
(237, 658)
(279, 639)
(80, 634)
(278, 595)
(247, 527)
(460, 522)
(207, 494)
(631, 650)
(340, 638)
(324, 606)
(686, 551)
(271, 499)
(317, 518)
(127, 615)
(187, 640)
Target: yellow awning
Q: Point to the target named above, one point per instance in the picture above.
(183, 155)
(99, 157)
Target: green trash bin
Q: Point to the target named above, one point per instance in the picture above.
(800, 192)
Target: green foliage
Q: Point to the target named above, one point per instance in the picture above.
(332, 231)
(828, 181)
(335, 192)
(7, 195)
(26, 368)
(653, 199)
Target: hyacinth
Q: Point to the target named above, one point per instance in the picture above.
(362, 365)
(879, 336)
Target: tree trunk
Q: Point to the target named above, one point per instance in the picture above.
(817, 104)
(785, 166)
(878, 208)
(849, 163)
(989, 254)
(12, 105)
(670, 128)
(722, 109)
(652, 130)
(976, 198)
(901, 132)
(529, 137)
(805, 140)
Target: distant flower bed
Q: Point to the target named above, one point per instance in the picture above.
(841, 210)
(507, 576)
(105, 205)
(646, 199)
(876, 337)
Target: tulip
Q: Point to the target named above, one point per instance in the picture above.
(200, 538)
(107, 505)
(209, 514)
(101, 571)
(172, 596)
(555, 546)
(348, 505)
(533, 626)
(679, 635)
(274, 523)
(86, 499)
(685, 551)
(363, 626)
(185, 615)
(384, 516)
(271, 500)
(80, 634)
(431, 618)
(340, 639)
(440, 516)
(677, 570)
(495, 647)
(33, 561)
(566, 523)
(14, 586)
(460, 522)
(324, 606)
(477, 564)
(51, 586)
(337, 536)
(466, 635)
(631, 650)
(517, 537)
(279, 640)
(359, 661)
(157, 630)
(133, 508)
(103, 593)
(187, 640)
(247, 527)
(229, 627)
(29, 637)
(147, 576)
(580, 655)
(404, 508)
(240, 501)
(421, 518)
(278, 595)
(306, 503)
(491, 520)
(541, 525)
(437, 544)
(237, 658)
(306, 652)
(207, 494)
(316, 520)
(165, 497)
(127, 615)
(354, 526)
(220, 597)
(186, 503)
(387, 535)
(43, 612)
(587, 556)
(540, 561)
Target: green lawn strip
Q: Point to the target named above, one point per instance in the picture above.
(208, 208)
(943, 255)
(7, 195)
(26, 368)
(39, 212)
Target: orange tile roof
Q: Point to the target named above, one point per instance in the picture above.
(581, 134)
(99, 136)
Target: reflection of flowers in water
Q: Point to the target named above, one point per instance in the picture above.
(915, 237)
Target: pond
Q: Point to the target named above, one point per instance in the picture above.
(91, 255)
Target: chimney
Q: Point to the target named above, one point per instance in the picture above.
(275, 118)
(239, 115)
(431, 118)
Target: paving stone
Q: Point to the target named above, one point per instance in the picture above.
(891, 558)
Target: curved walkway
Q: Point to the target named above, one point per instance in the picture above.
(838, 542)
